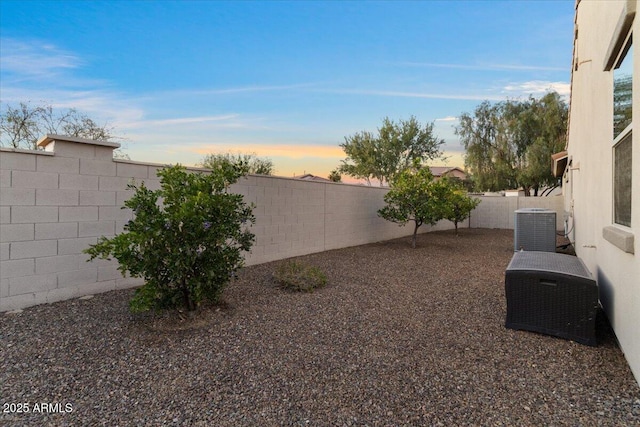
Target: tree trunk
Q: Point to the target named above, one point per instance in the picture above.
(415, 233)
(455, 223)
(188, 301)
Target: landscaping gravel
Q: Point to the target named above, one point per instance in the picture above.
(398, 336)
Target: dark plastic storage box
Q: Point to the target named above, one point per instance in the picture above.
(552, 294)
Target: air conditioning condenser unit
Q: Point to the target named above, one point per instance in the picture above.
(535, 230)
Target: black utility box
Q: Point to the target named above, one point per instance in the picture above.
(552, 294)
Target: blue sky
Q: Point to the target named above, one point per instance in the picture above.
(286, 80)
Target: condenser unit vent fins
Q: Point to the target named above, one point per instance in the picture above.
(535, 230)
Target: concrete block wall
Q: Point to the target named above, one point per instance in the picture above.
(289, 217)
(295, 217)
(498, 212)
(57, 202)
(53, 205)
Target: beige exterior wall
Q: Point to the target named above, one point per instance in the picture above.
(589, 177)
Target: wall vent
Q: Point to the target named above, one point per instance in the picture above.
(535, 230)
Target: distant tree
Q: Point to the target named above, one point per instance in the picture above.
(458, 204)
(487, 157)
(361, 156)
(21, 126)
(509, 144)
(415, 196)
(548, 118)
(396, 147)
(335, 176)
(256, 165)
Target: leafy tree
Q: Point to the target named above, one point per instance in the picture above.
(185, 239)
(396, 147)
(335, 176)
(361, 151)
(478, 134)
(509, 144)
(256, 165)
(415, 196)
(458, 204)
(23, 125)
(548, 117)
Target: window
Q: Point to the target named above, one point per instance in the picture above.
(622, 181)
(622, 135)
(622, 91)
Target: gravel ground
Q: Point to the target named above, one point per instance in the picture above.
(397, 337)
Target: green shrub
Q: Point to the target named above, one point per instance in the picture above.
(185, 239)
(299, 276)
(458, 204)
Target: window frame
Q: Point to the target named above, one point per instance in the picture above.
(626, 133)
(626, 136)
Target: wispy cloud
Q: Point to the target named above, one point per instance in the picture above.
(35, 58)
(42, 73)
(407, 94)
(34, 62)
(181, 121)
(447, 119)
(243, 89)
(484, 67)
(536, 87)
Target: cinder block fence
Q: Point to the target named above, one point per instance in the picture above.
(55, 203)
(498, 212)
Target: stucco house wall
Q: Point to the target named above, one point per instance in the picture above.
(606, 248)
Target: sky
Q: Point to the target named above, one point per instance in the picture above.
(284, 80)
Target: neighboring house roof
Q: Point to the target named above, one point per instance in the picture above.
(310, 177)
(438, 171)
